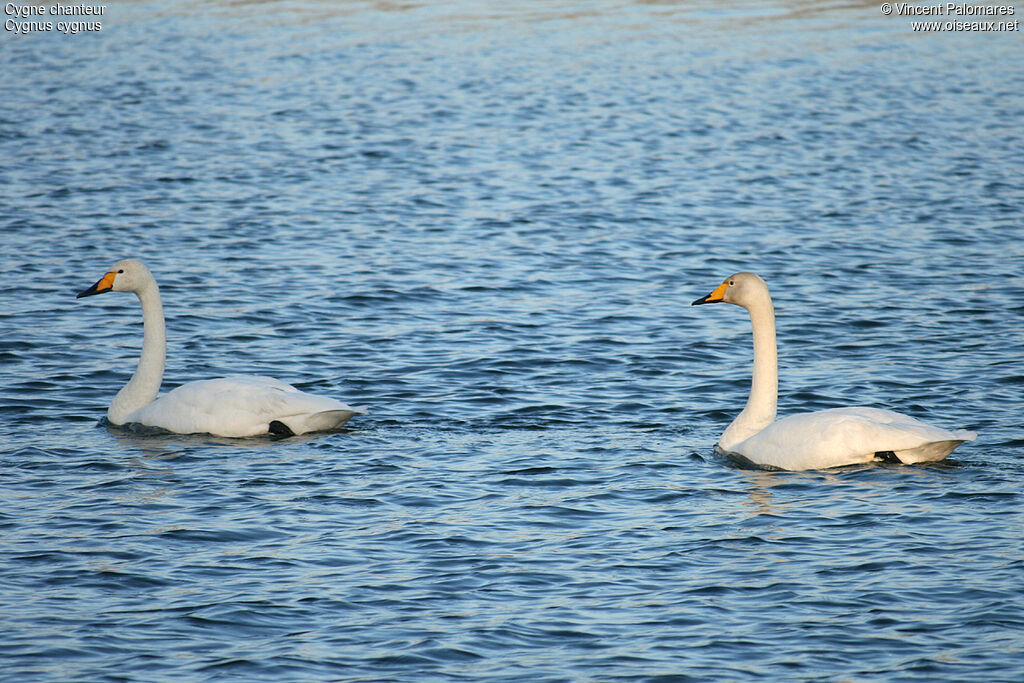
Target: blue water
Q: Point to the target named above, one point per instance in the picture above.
(486, 224)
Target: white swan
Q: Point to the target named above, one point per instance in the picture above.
(228, 406)
(827, 438)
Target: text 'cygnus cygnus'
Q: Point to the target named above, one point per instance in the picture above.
(827, 438)
(227, 406)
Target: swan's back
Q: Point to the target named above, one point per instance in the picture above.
(242, 406)
(848, 436)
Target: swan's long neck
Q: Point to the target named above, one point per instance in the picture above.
(764, 387)
(144, 385)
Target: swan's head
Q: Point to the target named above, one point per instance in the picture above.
(124, 276)
(742, 289)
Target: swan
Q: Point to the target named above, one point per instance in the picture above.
(228, 406)
(822, 439)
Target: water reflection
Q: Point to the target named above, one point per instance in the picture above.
(701, 18)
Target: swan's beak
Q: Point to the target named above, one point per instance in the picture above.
(714, 297)
(105, 284)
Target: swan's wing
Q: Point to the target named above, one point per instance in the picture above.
(241, 406)
(885, 430)
(844, 436)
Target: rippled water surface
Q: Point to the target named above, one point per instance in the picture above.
(487, 225)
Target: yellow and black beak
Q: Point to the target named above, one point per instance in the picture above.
(714, 297)
(105, 284)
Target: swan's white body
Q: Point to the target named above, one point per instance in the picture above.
(827, 438)
(228, 406)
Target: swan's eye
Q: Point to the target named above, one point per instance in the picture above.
(121, 271)
(732, 282)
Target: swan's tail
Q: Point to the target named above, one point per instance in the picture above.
(936, 450)
(323, 421)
